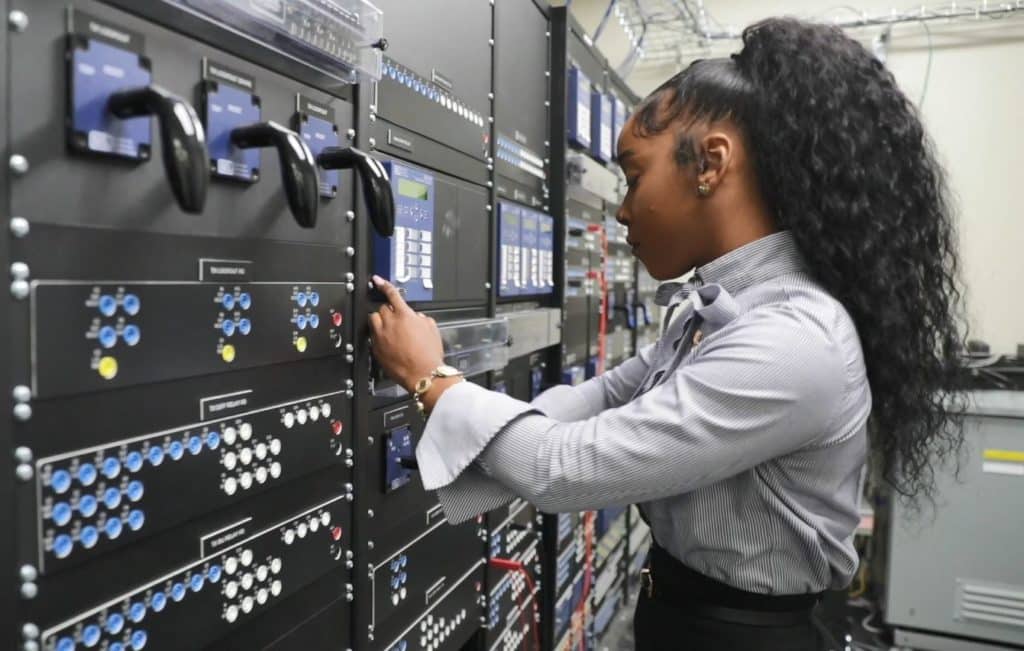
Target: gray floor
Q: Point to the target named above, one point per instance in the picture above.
(619, 636)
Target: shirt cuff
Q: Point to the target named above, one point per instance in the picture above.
(470, 494)
(464, 420)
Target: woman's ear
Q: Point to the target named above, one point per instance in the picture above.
(716, 153)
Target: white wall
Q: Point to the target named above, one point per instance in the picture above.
(973, 109)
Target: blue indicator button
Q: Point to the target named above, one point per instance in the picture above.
(87, 474)
(228, 301)
(62, 546)
(136, 519)
(176, 449)
(65, 644)
(61, 513)
(139, 639)
(111, 467)
(113, 527)
(244, 301)
(177, 592)
(213, 439)
(88, 536)
(301, 299)
(115, 622)
(196, 582)
(131, 304)
(131, 334)
(244, 326)
(87, 505)
(214, 573)
(107, 337)
(227, 327)
(195, 445)
(112, 498)
(115, 646)
(300, 321)
(395, 583)
(314, 321)
(314, 299)
(91, 635)
(108, 305)
(133, 461)
(137, 611)
(403, 577)
(134, 490)
(60, 481)
(155, 455)
(158, 601)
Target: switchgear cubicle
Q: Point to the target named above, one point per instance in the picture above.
(202, 452)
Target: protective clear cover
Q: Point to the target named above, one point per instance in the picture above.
(337, 36)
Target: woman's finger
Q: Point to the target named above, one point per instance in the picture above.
(392, 294)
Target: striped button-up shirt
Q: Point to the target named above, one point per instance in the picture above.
(741, 433)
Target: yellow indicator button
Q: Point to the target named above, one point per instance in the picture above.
(107, 368)
(227, 353)
(300, 344)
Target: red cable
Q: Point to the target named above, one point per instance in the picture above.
(517, 566)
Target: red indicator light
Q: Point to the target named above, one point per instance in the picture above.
(336, 533)
(336, 427)
(336, 318)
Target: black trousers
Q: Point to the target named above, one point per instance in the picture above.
(660, 626)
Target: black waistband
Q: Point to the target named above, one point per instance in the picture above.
(674, 582)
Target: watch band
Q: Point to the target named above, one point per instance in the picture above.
(425, 384)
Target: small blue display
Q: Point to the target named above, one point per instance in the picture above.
(407, 258)
(320, 134)
(399, 446)
(228, 108)
(136, 519)
(134, 490)
(60, 481)
(137, 611)
(108, 305)
(115, 622)
(509, 253)
(87, 474)
(178, 592)
(62, 546)
(131, 334)
(87, 506)
(61, 513)
(133, 461)
(113, 527)
(107, 337)
(158, 601)
(112, 497)
(88, 536)
(111, 467)
(131, 304)
(176, 449)
(155, 455)
(91, 635)
(579, 107)
(98, 71)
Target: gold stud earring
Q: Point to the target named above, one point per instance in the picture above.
(704, 189)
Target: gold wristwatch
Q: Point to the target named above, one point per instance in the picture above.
(424, 384)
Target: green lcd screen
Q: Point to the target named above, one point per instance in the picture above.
(413, 189)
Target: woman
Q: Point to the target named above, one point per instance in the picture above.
(797, 180)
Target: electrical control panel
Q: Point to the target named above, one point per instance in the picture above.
(579, 108)
(526, 251)
(601, 125)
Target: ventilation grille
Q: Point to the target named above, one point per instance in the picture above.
(991, 603)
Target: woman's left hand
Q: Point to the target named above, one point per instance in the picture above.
(406, 343)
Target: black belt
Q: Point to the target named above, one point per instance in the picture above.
(667, 580)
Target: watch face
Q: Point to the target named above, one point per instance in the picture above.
(447, 371)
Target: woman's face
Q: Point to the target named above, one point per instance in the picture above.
(662, 208)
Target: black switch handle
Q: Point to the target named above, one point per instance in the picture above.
(182, 139)
(298, 168)
(376, 185)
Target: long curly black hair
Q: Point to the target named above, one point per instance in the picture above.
(844, 163)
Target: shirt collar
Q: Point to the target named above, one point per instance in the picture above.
(756, 262)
